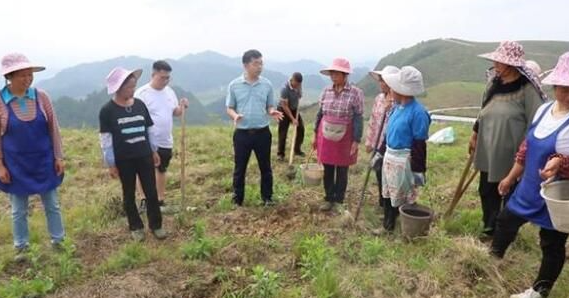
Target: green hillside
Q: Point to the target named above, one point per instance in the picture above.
(453, 60)
(288, 251)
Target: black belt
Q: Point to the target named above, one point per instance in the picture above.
(253, 131)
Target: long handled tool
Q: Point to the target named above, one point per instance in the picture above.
(291, 173)
(465, 181)
(369, 168)
(183, 158)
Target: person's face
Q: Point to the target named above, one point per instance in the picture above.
(160, 79)
(22, 79)
(254, 67)
(383, 86)
(562, 94)
(128, 88)
(503, 70)
(338, 78)
(294, 84)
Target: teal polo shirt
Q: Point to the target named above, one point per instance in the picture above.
(251, 100)
(7, 97)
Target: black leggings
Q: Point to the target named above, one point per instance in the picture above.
(335, 183)
(552, 248)
(144, 168)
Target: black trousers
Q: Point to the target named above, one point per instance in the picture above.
(142, 167)
(246, 141)
(378, 176)
(491, 202)
(283, 130)
(335, 183)
(552, 248)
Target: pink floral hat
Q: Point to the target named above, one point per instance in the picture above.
(338, 64)
(560, 74)
(117, 76)
(16, 61)
(509, 53)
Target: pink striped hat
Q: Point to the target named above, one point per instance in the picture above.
(560, 74)
(16, 61)
(117, 76)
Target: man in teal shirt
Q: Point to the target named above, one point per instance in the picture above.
(250, 104)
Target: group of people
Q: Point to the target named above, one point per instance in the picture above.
(520, 140)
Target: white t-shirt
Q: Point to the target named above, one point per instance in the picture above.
(161, 105)
(549, 124)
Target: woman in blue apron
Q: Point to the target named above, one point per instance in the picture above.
(543, 155)
(31, 160)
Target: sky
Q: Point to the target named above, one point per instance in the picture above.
(62, 33)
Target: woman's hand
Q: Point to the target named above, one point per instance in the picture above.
(156, 159)
(5, 175)
(472, 143)
(551, 168)
(369, 149)
(114, 172)
(505, 185)
(354, 148)
(59, 167)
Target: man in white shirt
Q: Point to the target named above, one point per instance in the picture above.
(163, 105)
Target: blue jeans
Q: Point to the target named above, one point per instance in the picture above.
(20, 218)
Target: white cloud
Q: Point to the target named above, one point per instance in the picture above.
(65, 32)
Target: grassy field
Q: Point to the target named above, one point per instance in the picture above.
(290, 250)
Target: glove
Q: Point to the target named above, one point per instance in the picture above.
(376, 161)
(420, 179)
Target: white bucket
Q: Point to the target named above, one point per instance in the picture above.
(556, 195)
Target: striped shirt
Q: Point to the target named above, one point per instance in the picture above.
(381, 111)
(25, 109)
(344, 104)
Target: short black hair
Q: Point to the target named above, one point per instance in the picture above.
(250, 55)
(297, 77)
(161, 65)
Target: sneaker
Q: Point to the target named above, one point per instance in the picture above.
(269, 203)
(280, 157)
(142, 208)
(327, 206)
(529, 293)
(138, 235)
(59, 247)
(300, 153)
(381, 232)
(21, 254)
(159, 234)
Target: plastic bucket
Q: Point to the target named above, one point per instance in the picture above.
(556, 195)
(415, 220)
(311, 173)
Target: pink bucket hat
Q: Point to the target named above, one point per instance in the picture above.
(16, 61)
(117, 76)
(509, 53)
(389, 69)
(560, 74)
(338, 64)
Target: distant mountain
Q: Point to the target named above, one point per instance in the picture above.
(453, 60)
(85, 112)
(202, 72)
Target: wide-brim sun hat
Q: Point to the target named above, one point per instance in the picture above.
(559, 76)
(338, 64)
(16, 61)
(389, 69)
(408, 81)
(509, 53)
(117, 76)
